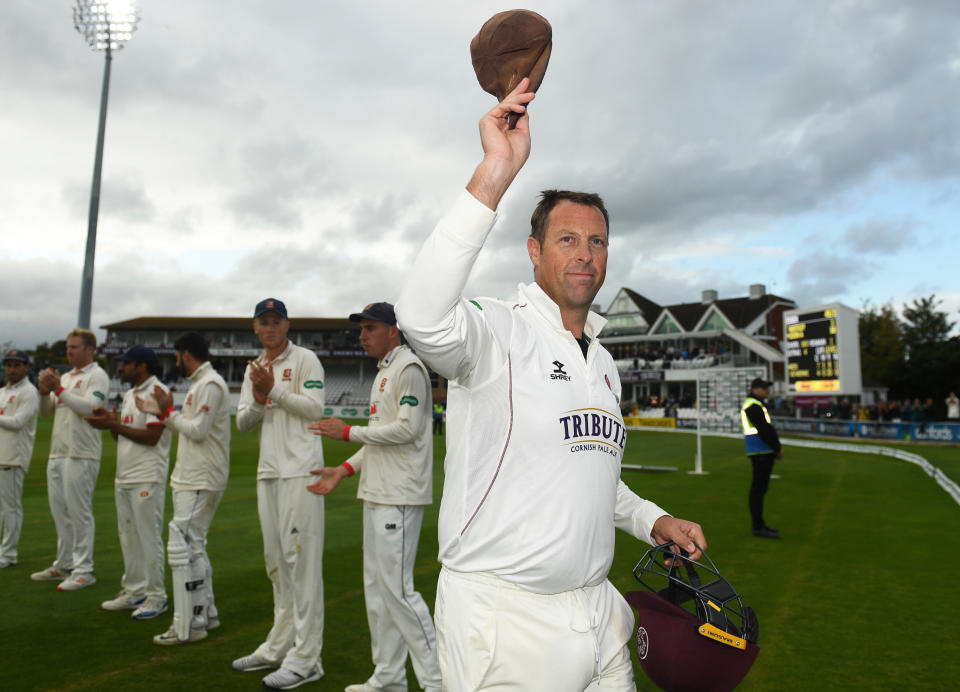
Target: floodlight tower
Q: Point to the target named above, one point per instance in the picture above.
(105, 25)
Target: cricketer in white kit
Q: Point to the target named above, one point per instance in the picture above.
(198, 480)
(74, 462)
(19, 405)
(282, 393)
(396, 482)
(143, 457)
(532, 490)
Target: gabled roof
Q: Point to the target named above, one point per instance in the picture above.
(647, 307)
(198, 324)
(740, 311)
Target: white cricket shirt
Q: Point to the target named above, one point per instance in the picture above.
(139, 463)
(82, 391)
(203, 450)
(535, 439)
(19, 404)
(287, 448)
(396, 460)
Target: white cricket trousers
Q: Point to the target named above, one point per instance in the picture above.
(11, 510)
(397, 614)
(193, 512)
(291, 519)
(140, 525)
(494, 635)
(70, 484)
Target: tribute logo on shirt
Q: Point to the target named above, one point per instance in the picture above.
(383, 383)
(10, 400)
(558, 373)
(287, 374)
(593, 430)
(189, 400)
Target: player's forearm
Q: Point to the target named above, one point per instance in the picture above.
(302, 405)
(635, 515)
(249, 415)
(19, 420)
(145, 436)
(396, 433)
(80, 404)
(195, 429)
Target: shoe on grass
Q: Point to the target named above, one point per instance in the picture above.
(286, 679)
(50, 574)
(766, 532)
(150, 608)
(124, 601)
(252, 662)
(6, 562)
(169, 638)
(75, 582)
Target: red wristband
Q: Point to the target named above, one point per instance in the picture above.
(166, 414)
(346, 434)
(349, 468)
(57, 393)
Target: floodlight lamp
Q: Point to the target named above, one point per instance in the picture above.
(106, 24)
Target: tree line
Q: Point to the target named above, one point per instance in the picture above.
(912, 354)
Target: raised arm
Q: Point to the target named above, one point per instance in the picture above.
(447, 331)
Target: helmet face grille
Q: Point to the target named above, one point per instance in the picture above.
(691, 635)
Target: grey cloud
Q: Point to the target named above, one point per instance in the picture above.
(880, 236)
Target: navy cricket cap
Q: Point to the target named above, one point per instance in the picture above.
(138, 354)
(270, 305)
(379, 312)
(760, 383)
(17, 354)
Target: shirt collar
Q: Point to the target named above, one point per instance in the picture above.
(535, 296)
(86, 367)
(149, 382)
(387, 359)
(200, 372)
(283, 354)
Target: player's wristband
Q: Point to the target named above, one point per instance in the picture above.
(166, 414)
(346, 434)
(349, 468)
(58, 392)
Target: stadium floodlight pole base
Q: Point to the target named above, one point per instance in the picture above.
(698, 465)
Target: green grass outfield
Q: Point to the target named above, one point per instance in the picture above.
(860, 594)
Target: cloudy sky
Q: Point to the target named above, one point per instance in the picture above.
(303, 150)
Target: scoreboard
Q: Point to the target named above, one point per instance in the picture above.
(823, 350)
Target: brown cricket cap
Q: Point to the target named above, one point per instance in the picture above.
(510, 46)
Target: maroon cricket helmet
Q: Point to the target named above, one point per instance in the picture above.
(691, 636)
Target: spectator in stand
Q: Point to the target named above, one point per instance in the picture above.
(916, 414)
(906, 410)
(893, 411)
(863, 413)
(953, 407)
(844, 410)
(929, 411)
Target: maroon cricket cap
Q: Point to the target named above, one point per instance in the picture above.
(510, 46)
(676, 657)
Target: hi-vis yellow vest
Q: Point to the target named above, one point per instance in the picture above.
(751, 437)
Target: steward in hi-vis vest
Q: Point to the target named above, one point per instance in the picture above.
(763, 448)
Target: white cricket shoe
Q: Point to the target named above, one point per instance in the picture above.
(150, 608)
(5, 562)
(124, 601)
(252, 662)
(50, 574)
(286, 679)
(76, 582)
(367, 687)
(169, 638)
